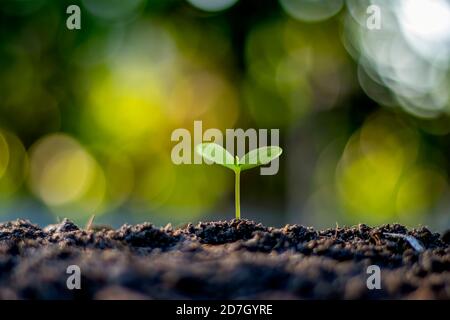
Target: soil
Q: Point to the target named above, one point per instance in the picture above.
(236, 259)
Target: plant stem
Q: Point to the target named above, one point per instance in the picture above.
(237, 193)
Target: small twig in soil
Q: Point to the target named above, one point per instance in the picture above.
(90, 223)
(413, 242)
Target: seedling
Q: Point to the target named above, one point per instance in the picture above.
(255, 158)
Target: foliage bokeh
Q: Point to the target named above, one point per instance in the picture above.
(86, 115)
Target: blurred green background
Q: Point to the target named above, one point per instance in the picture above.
(86, 115)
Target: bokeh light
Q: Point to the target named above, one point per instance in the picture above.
(413, 63)
(65, 176)
(379, 177)
(419, 192)
(13, 164)
(4, 155)
(426, 27)
(311, 10)
(291, 71)
(212, 5)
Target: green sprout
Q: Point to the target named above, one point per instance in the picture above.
(255, 158)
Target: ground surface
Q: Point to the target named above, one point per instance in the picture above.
(221, 260)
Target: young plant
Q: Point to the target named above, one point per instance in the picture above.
(255, 158)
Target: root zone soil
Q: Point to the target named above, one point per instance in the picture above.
(222, 260)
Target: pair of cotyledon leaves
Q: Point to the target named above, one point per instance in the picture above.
(255, 158)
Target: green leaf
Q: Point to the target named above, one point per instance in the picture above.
(217, 154)
(259, 157)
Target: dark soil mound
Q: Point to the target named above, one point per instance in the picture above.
(222, 260)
